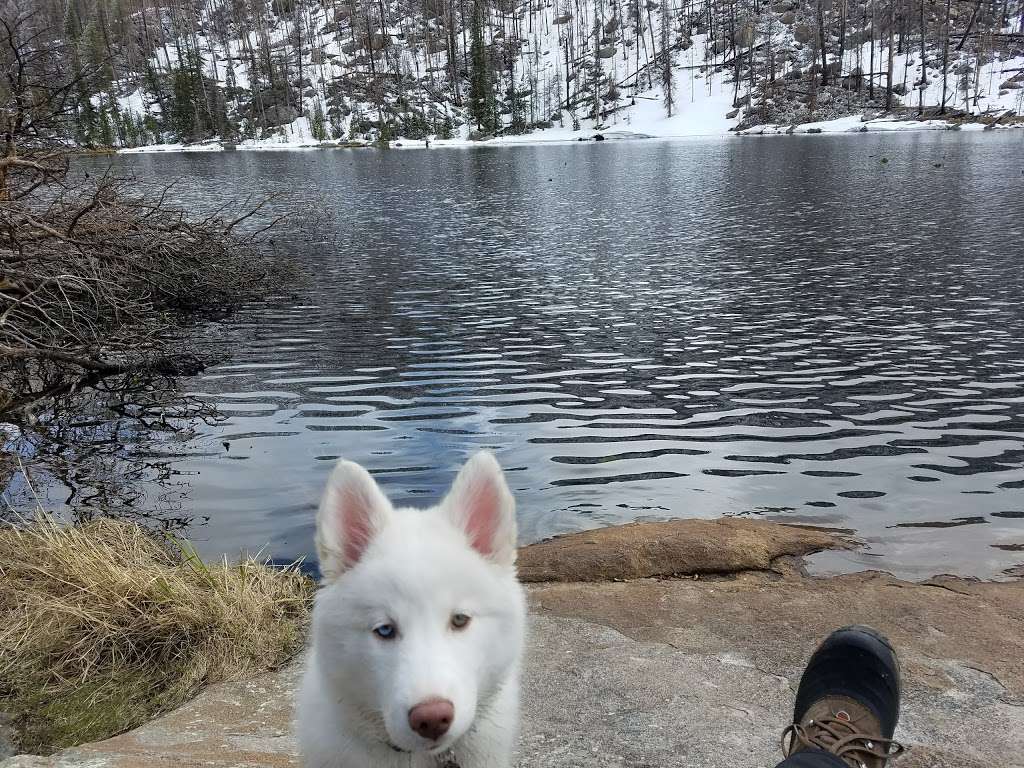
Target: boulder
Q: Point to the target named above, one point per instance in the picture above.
(643, 550)
(279, 114)
(803, 33)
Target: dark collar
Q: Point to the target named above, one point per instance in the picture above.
(444, 760)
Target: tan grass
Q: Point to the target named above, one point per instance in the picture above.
(102, 626)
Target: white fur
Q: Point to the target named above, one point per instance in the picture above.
(414, 569)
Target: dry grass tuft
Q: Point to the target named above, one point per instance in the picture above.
(102, 626)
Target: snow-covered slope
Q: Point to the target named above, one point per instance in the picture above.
(281, 74)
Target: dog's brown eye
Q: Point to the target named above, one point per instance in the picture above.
(459, 620)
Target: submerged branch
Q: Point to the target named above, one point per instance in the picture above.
(95, 274)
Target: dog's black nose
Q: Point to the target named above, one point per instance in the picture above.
(432, 718)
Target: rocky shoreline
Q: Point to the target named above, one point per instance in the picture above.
(676, 644)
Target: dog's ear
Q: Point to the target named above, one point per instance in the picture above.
(481, 504)
(352, 511)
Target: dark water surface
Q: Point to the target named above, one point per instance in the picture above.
(782, 327)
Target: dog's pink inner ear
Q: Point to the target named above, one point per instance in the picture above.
(483, 513)
(355, 511)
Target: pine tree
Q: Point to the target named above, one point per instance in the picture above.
(318, 124)
(150, 127)
(130, 129)
(446, 129)
(87, 120)
(665, 57)
(183, 109)
(106, 130)
(517, 106)
(596, 73)
(481, 91)
(85, 111)
(384, 135)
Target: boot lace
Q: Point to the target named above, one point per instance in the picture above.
(840, 736)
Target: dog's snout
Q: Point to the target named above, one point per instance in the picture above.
(431, 719)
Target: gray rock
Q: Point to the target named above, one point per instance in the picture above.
(280, 114)
(675, 673)
(7, 736)
(803, 33)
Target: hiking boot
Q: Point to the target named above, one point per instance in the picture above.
(849, 700)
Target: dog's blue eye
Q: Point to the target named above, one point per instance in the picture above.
(385, 631)
(459, 620)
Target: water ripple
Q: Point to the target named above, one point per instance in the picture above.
(693, 329)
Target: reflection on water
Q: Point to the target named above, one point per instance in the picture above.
(785, 327)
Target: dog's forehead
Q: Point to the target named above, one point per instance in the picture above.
(420, 557)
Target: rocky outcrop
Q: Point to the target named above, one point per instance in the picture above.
(676, 672)
(674, 548)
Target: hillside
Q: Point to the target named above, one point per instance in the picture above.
(265, 71)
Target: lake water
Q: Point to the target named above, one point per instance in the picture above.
(782, 327)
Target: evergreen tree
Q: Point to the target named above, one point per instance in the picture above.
(130, 129)
(446, 129)
(87, 120)
(197, 107)
(72, 24)
(106, 130)
(94, 53)
(150, 127)
(515, 100)
(222, 125)
(665, 57)
(384, 134)
(481, 91)
(318, 125)
(182, 116)
(596, 73)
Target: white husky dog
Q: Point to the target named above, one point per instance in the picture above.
(418, 629)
